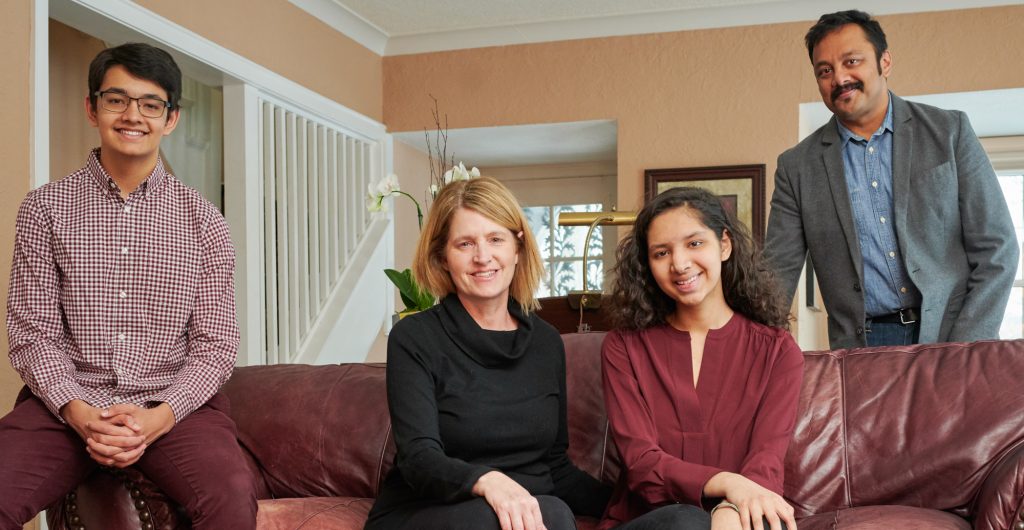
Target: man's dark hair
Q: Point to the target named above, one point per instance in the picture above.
(142, 61)
(833, 21)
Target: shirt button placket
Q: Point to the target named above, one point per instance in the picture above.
(119, 346)
(123, 295)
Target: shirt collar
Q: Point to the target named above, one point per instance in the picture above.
(152, 183)
(847, 135)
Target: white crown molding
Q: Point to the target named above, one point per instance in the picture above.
(660, 22)
(112, 17)
(346, 22)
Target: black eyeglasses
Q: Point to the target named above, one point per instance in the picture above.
(114, 101)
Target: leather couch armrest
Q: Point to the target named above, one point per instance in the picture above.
(116, 500)
(1000, 502)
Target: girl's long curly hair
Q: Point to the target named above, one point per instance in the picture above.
(749, 285)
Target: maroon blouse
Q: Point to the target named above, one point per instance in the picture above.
(672, 437)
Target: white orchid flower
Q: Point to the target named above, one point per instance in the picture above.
(460, 173)
(380, 188)
(384, 186)
(375, 203)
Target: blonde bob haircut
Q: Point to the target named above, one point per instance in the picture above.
(491, 199)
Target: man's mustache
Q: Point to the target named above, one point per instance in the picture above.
(855, 85)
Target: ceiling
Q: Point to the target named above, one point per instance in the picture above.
(397, 27)
(416, 17)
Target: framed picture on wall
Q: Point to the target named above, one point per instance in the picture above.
(741, 189)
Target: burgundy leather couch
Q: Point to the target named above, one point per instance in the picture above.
(923, 437)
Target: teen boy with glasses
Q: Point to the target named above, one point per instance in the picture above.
(121, 317)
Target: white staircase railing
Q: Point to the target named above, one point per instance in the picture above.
(316, 239)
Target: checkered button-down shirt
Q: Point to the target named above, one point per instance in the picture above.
(122, 301)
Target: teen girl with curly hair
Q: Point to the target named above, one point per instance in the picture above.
(701, 377)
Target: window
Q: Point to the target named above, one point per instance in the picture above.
(1007, 156)
(1012, 184)
(561, 248)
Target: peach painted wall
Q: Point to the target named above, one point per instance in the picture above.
(413, 172)
(15, 150)
(550, 184)
(16, 31)
(692, 98)
(289, 41)
(71, 135)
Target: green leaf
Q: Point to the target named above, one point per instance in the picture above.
(412, 295)
(403, 282)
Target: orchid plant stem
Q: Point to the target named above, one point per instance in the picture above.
(419, 211)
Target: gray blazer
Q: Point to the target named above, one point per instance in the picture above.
(952, 226)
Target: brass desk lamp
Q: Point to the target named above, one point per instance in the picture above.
(587, 299)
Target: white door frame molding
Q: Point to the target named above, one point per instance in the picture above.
(40, 83)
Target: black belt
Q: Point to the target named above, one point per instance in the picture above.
(903, 316)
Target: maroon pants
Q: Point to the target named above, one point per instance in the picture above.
(197, 463)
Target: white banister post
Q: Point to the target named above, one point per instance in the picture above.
(244, 212)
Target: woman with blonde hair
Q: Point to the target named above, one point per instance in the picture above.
(476, 384)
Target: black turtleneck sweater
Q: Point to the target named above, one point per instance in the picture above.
(465, 401)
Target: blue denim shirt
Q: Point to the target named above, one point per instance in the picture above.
(867, 165)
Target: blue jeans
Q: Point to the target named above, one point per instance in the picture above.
(892, 334)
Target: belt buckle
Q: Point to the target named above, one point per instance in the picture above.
(903, 319)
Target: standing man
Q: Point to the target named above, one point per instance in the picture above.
(121, 317)
(897, 203)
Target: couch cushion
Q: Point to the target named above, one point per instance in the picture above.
(915, 426)
(326, 433)
(884, 518)
(590, 445)
(816, 476)
(314, 513)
